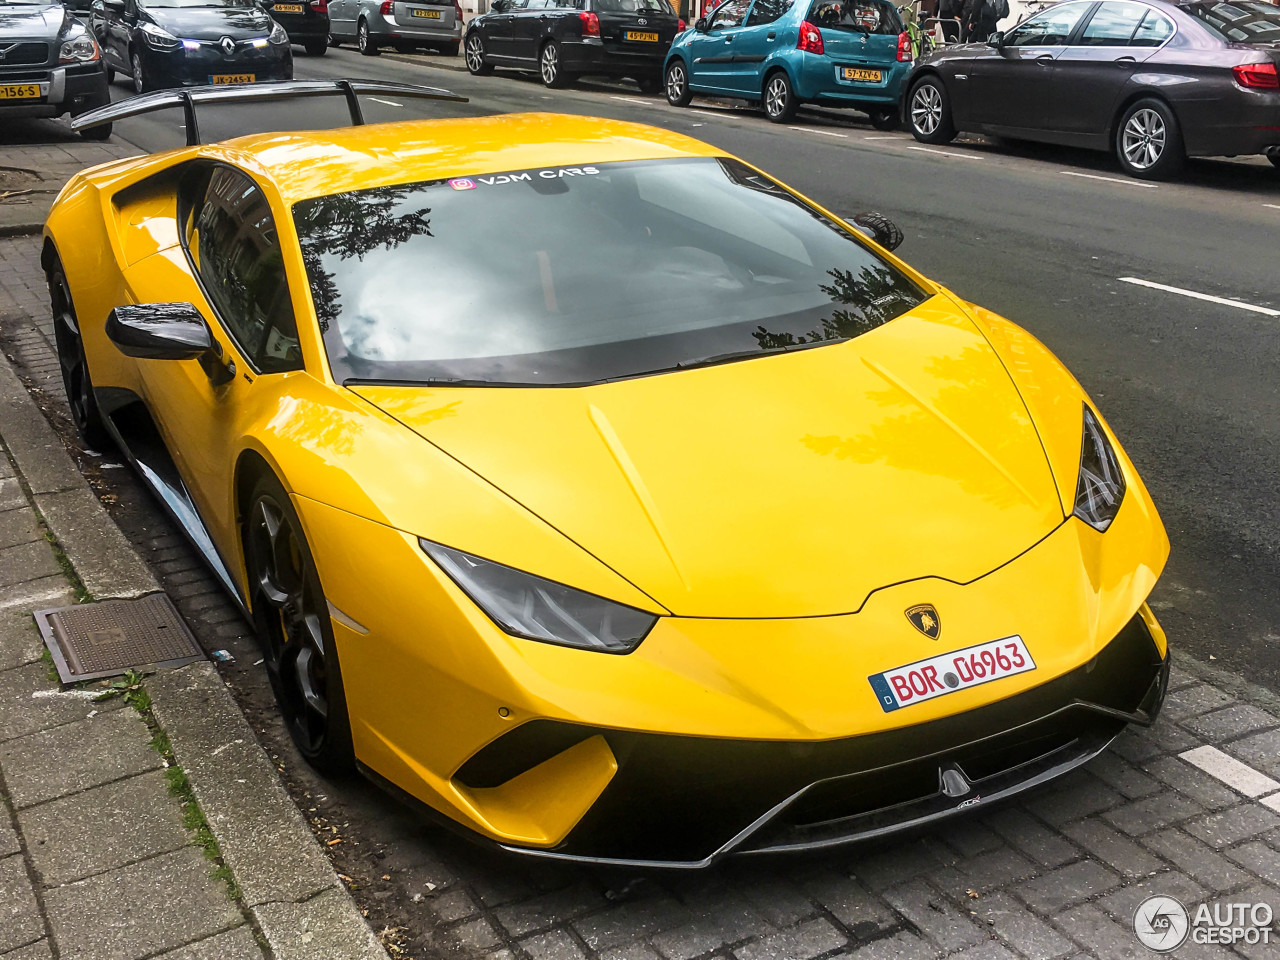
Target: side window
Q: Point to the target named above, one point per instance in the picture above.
(1112, 24)
(231, 237)
(767, 11)
(1048, 29)
(1153, 31)
(728, 14)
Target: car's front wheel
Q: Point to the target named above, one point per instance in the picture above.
(929, 112)
(364, 42)
(1275, 159)
(549, 66)
(475, 56)
(779, 98)
(73, 362)
(677, 84)
(1148, 141)
(291, 618)
(316, 48)
(141, 82)
(101, 132)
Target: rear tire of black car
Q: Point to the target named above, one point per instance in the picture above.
(649, 84)
(1148, 141)
(549, 68)
(929, 112)
(101, 132)
(75, 365)
(1275, 159)
(292, 621)
(779, 98)
(111, 75)
(364, 42)
(449, 49)
(334, 42)
(886, 120)
(316, 48)
(677, 84)
(475, 56)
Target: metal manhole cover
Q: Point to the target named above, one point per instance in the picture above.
(105, 639)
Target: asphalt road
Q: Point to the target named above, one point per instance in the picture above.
(1043, 236)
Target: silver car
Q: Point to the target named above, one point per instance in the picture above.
(402, 24)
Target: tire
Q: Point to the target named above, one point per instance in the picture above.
(450, 49)
(886, 120)
(1275, 159)
(929, 112)
(882, 230)
(102, 132)
(779, 98)
(1148, 142)
(316, 48)
(649, 83)
(334, 42)
(141, 83)
(291, 619)
(364, 42)
(475, 55)
(74, 363)
(677, 83)
(111, 75)
(549, 68)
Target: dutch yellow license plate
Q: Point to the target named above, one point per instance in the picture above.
(642, 35)
(427, 14)
(288, 8)
(221, 78)
(870, 76)
(20, 91)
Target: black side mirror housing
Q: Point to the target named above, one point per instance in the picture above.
(498, 6)
(700, 25)
(996, 39)
(879, 228)
(160, 331)
(115, 6)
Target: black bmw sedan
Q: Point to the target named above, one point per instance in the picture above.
(176, 43)
(1155, 81)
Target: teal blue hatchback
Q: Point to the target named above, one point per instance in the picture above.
(836, 53)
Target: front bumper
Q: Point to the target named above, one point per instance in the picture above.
(72, 89)
(186, 68)
(592, 55)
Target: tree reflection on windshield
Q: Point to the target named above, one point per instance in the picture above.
(875, 296)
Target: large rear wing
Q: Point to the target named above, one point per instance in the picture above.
(189, 98)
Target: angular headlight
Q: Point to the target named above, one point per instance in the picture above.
(527, 606)
(1101, 485)
(79, 47)
(158, 38)
(278, 34)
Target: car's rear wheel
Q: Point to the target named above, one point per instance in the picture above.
(677, 84)
(100, 132)
(291, 618)
(449, 49)
(475, 56)
(73, 362)
(779, 99)
(111, 75)
(316, 48)
(1275, 159)
(334, 41)
(364, 42)
(649, 83)
(549, 66)
(929, 112)
(887, 119)
(1148, 141)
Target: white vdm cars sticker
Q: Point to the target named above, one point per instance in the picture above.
(949, 672)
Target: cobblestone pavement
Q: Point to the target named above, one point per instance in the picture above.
(1058, 874)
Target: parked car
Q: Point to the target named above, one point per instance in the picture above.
(403, 24)
(305, 21)
(563, 39)
(182, 43)
(1154, 81)
(50, 64)
(838, 53)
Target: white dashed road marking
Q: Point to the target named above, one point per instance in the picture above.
(825, 133)
(389, 103)
(643, 103)
(1252, 308)
(1273, 206)
(948, 153)
(882, 138)
(1127, 183)
(1232, 772)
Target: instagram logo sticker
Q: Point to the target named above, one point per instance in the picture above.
(462, 184)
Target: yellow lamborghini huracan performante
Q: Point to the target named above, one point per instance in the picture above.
(601, 493)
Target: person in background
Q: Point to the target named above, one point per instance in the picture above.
(949, 12)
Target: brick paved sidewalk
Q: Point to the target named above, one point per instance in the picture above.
(31, 174)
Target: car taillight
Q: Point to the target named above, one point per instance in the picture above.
(590, 24)
(904, 47)
(680, 25)
(320, 6)
(810, 38)
(1260, 76)
(457, 10)
(385, 9)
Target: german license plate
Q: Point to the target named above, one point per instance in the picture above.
(287, 8)
(221, 78)
(949, 672)
(642, 35)
(869, 76)
(20, 91)
(427, 14)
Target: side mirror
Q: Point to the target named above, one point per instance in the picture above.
(700, 25)
(115, 6)
(97, 7)
(498, 6)
(160, 331)
(996, 39)
(879, 228)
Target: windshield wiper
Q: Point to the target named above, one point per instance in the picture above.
(719, 358)
(435, 382)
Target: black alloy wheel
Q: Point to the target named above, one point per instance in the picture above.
(886, 120)
(549, 68)
(364, 42)
(291, 618)
(475, 55)
(779, 99)
(1148, 141)
(75, 365)
(677, 84)
(316, 48)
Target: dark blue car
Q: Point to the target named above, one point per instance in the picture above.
(837, 53)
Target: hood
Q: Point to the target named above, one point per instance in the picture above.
(35, 22)
(785, 486)
(212, 23)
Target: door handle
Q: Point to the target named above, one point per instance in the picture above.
(1045, 59)
(728, 39)
(772, 36)
(1126, 62)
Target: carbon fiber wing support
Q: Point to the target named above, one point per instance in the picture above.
(189, 98)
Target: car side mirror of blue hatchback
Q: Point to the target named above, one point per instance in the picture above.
(700, 25)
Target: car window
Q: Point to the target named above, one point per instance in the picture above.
(1112, 24)
(1049, 28)
(728, 14)
(232, 239)
(693, 261)
(767, 11)
(1243, 21)
(634, 6)
(1153, 31)
(859, 16)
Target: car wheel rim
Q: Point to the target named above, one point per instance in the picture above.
(1144, 139)
(71, 358)
(775, 100)
(475, 55)
(675, 83)
(926, 109)
(550, 64)
(137, 73)
(288, 612)
(362, 37)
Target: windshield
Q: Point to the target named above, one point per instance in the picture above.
(573, 275)
(634, 6)
(1244, 21)
(859, 16)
